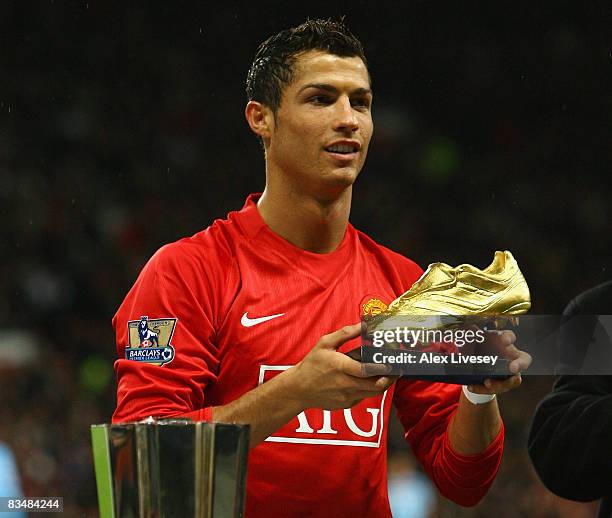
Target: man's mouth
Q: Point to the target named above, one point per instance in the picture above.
(343, 149)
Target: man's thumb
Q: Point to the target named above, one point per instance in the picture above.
(334, 340)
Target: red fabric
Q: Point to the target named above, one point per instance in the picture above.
(425, 410)
(321, 463)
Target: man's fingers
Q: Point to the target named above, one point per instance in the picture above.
(334, 340)
(495, 386)
(384, 382)
(521, 360)
(351, 367)
(508, 337)
(354, 368)
(500, 340)
(521, 363)
(501, 386)
(370, 387)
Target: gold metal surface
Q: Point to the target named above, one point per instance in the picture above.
(498, 290)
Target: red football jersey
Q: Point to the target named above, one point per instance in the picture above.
(215, 315)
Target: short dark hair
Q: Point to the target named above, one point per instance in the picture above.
(272, 68)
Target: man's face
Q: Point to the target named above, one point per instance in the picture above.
(323, 126)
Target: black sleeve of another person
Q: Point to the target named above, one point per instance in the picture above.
(570, 441)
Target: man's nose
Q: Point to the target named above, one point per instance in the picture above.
(346, 118)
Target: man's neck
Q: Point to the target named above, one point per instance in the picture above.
(306, 222)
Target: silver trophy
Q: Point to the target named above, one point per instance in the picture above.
(170, 468)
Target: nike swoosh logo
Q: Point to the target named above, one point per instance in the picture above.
(250, 322)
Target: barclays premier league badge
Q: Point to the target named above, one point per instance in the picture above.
(150, 340)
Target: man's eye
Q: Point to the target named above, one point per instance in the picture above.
(320, 99)
(361, 103)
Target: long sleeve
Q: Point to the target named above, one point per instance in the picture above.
(176, 295)
(425, 411)
(570, 442)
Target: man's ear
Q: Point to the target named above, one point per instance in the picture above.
(260, 119)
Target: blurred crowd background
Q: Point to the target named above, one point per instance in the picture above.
(122, 128)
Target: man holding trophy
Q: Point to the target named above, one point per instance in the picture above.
(247, 321)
